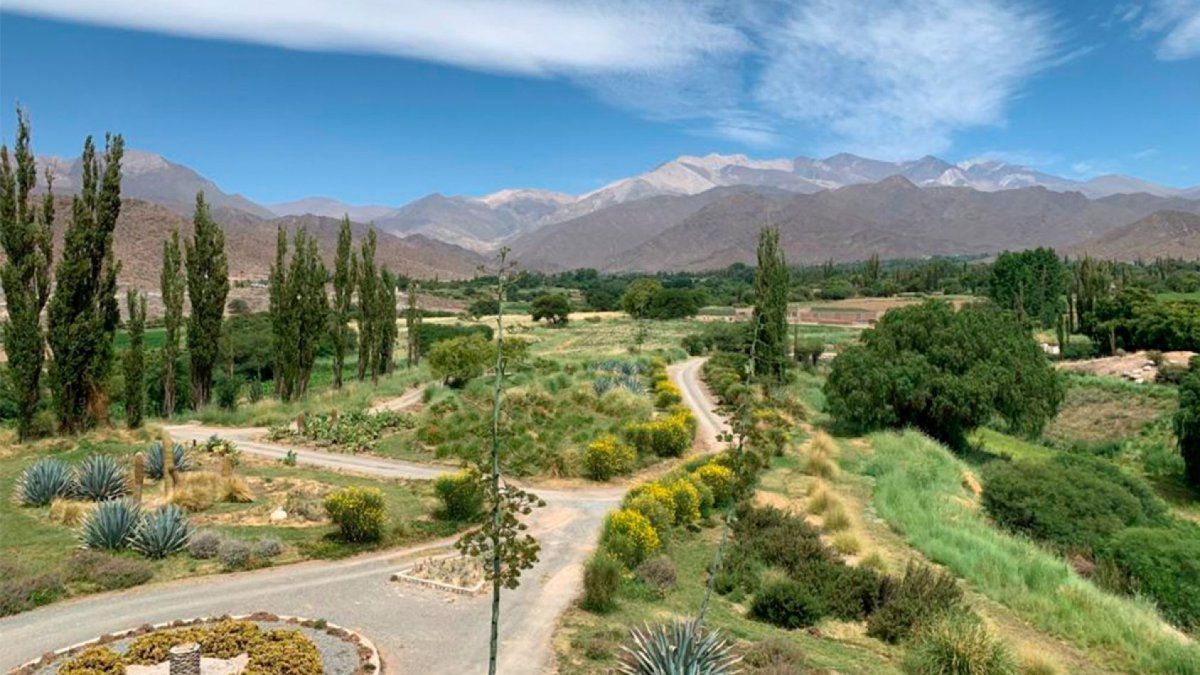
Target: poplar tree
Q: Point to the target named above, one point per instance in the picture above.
(25, 275)
(412, 322)
(309, 309)
(387, 320)
(135, 359)
(83, 312)
(771, 282)
(368, 303)
(282, 328)
(208, 286)
(171, 285)
(344, 269)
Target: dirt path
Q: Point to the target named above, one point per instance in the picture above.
(415, 629)
(402, 402)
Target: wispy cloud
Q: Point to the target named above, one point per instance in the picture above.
(885, 77)
(1174, 23)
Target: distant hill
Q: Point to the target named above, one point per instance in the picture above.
(1174, 234)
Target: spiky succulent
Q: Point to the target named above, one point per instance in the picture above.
(154, 459)
(162, 532)
(100, 478)
(677, 648)
(110, 526)
(44, 481)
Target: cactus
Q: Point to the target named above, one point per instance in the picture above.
(44, 481)
(111, 525)
(100, 478)
(162, 532)
(139, 477)
(155, 459)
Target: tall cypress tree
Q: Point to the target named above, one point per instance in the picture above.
(771, 282)
(208, 286)
(368, 311)
(83, 311)
(283, 339)
(387, 320)
(310, 308)
(412, 321)
(135, 359)
(171, 285)
(344, 270)
(25, 274)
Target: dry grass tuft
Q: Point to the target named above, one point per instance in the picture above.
(68, 512)
(875, 561)
(1033, 661)
(836, 519)
(823, 444)
(199, 490)
(819, 502)
(821, 466)
(846, 543)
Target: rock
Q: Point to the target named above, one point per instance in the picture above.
(279, 515)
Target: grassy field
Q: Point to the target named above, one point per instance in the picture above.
(33, 544)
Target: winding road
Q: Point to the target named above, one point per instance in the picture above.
(417, 630)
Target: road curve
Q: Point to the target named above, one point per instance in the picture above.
(415, 629)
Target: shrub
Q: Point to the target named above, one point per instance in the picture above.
(775, 656)
(153, 648)
(458, 360)
(787, 604)
(666, 394)
(461, 495)
(228, 638)
(958, 644)
(427, 335)
(741, 572)
(23, 594)
(235, 554)
(1070, 501)
(719, 479)
(634, 534)
(606, 457)
(111, 525)
(44, 481)
(666, 436)
(1164, 563)
(285, 652)
(154, 459)
(687, 501)
(359, 513)
(107, 572)
(228, 390)
(601, 578)
(658, 573)
(205, 544)
(95, 660)
(678, 647)
(920, 595)
(100, 478)
(661, 517)
(162, 532)
(268, 548)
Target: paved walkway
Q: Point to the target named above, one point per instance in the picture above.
(417, 630)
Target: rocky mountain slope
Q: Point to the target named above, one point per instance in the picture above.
(1174, 234)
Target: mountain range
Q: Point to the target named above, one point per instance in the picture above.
(704, 212)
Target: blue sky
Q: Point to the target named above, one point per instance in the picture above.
(376, 102)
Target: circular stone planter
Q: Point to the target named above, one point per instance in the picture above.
(343, 651)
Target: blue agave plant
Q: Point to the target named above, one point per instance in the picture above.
(111, 525)
(100, 478)
(154, 459)
(678, 648)
(44, 481)
(162, 532)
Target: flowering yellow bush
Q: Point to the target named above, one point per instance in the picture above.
(606, 457)
(666, 394)
(656, 491)
(666, 436)
(687, 501)
(630, 537)
(718, 478)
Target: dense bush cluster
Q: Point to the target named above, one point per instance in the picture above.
(720, 336)
(355, 431)
(668, 435)
(359, 513)
(1162, 563)
(279, 651)
(461, 495)
(608, 456)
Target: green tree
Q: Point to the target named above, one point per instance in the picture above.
(554, 307)
(135, 359)
(83, 312)
(171, 285)
(1033, 284)
(771, 283)
(283, 327)
(387, 321)
(412, 324)
(1187, 423)
(208, 286)
(458, 360)
(309, 308)
(638, 295)
(25, 273)
(944, 372)
(368, 311)
(344, 272)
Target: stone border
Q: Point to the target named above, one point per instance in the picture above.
(368, 655)
(404, 576)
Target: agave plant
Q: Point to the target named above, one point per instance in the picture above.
(100, 478)
(44, 481)
(111, 525)
(162, 532)
(678, 648)
(154, 459)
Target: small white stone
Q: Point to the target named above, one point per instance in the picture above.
(279, 515)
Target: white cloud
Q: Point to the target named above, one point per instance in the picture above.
(882, 77)
(1176, 23)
